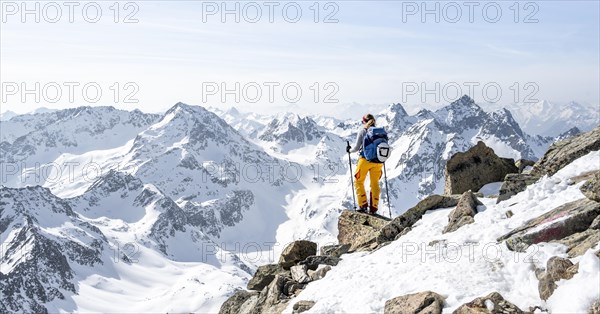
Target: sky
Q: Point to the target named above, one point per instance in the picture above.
(304, 56)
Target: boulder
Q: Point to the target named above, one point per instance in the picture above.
(299, 273)
(591, 189)
(566, 151)
(463, 213)
(235, 303)
(302, 306)
(578, 243)
(313, 262)
(556, 224)
(359, 230)
(296, 252)
(557, 268)
(417, 303)
(524, 163)
(412, 215)
(335, 250)
(546, 286)
(475, 168)
(494, 300)
(274, 295)
(319, 273)
(514, 184)
(264, 275)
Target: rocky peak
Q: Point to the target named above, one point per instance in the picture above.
(462, 114)
(114, 181)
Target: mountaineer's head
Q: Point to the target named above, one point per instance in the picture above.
(368, 120)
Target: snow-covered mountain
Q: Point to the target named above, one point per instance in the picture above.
(7, 115)
(42, 137)
(552, 118)
(192, 192)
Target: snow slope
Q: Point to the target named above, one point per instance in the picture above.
(468, 263)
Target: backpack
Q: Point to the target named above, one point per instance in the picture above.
(375, 145)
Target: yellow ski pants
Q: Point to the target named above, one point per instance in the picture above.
(374, 170)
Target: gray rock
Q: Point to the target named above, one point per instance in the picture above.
(296, 252)
(319, 273)
(524, 163)
(556, 224)
(264, 275)
(514, 184)
(463, 213)
(302, 306)
(480, 305)
(546, 286)
(299, 273)
(564, 152)
(313, 262)
(234, 304)
(417, 303)
(578, 243)
(558, 268)
(475, 168)
(358, 230)
(414, 214)
(335, 250)
(591, 189)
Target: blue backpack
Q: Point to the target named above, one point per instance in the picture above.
(375, 145)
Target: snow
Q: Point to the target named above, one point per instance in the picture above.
(469, 257)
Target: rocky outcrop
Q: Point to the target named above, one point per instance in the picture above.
(264, 275)
(319, 273)
(299, 273)
(302, 306)
(524, 163)
(297, 251)
(482, 305)
(239, 302)
(359, 230)
(475, 168)
(514, 184)
(463, 213)
(559, 223)
(557, 268)
(591, 189)
(414, 214)
(417, 303)
(564, 152)
(276, 284)
(335, 250)
(313, 262)
(578, 243)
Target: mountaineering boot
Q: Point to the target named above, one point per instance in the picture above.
(373, 210)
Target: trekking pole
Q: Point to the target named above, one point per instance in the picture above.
(387, 192)
(351, 176)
